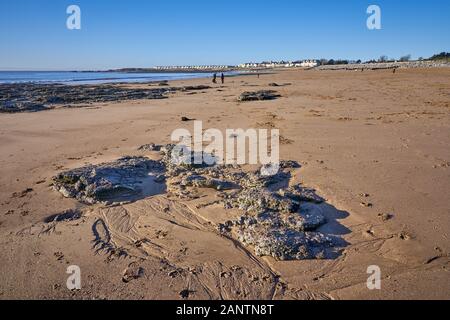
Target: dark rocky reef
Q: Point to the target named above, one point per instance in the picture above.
(31, 97)
(259, 95)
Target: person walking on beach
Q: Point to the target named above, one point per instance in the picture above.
(222, 77)
(214, 78)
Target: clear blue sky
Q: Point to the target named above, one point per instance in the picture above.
(143, 33)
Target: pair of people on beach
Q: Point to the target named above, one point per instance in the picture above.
(222, 78)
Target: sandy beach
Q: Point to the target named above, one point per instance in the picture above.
(374, 145)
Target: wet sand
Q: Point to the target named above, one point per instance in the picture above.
(373, 144)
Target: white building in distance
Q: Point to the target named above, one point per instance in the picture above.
(280, 64)
(204, 68)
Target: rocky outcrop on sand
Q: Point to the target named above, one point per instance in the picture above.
(150, 147)
(121, 180)
(259, 95)
(31, 97)
(21, 106)
(277, 220)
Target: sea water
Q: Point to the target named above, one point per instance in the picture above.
(73, 77)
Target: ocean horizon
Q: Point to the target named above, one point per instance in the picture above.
(91, 77)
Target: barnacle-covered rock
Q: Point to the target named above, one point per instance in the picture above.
(286, 244)
(203, 182)
(277, 220)
(260, 200)
(299, 193)
(150, 147)
(115, 181)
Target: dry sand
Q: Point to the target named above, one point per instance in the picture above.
(372, 143)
